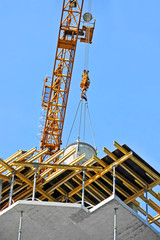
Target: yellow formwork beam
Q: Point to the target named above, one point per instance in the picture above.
(104, 171)
(8, 179)
(55, 155)
(91, 191)
(3, 177)
(150, 203)
(154, 194)
(11, 158)
(63, 198)
(118, 175)
(59, 166)
(137, 161)
(36, 156)
(100, 161)
(140, 181)
(25, 155)
(100, 184)
(26, 180)
(28, 174)
(39, 183)
(93, 188)
(155, 219)
(139, 193)
(154, 205)
(22, 157)
(39, 189)
(58, 162)
(65, 179)
(57, 173)
(79, 194)
(110, 182)
(5, 197)
(149, 216)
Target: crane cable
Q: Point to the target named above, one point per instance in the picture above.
(73, 123)
(91, 126)
(86, 61)
(86, 106)
(81, 100)
(80, 120)
(84, 121)
(86, 67)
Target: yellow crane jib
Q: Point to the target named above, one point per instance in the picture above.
(56, 89)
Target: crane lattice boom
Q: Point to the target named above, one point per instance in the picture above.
(55, 92)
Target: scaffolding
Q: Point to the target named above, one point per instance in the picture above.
(121, 173)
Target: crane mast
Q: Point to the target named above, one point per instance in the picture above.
(55, 92)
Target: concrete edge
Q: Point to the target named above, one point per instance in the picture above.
(85, 209)
(125, 206)
(51, 204)
(137, 215)
(75, 205)
(8, 208)
(101, 204)
(37, 203)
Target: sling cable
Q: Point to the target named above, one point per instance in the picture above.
(85, 82)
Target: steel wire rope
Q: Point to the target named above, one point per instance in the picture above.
(89, 5)
(84, 121)
(73, 123)
(86, 61)
(91, 126)
(81, 100)
(80, 119)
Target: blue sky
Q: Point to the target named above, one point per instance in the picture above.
(124, 99)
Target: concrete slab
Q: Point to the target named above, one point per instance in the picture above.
(66, 221)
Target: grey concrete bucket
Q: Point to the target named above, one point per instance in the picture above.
(81, 147)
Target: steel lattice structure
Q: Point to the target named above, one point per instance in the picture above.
(55, 94)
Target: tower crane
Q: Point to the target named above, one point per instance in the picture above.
(55, 92)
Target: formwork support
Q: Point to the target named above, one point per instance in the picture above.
(83, 187)
(1, 182)
(34, 184)
(11, 189)
(147, 205)
(115, 223)
(20, 226)
(114, 180)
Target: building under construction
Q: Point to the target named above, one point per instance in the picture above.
(71, 193)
